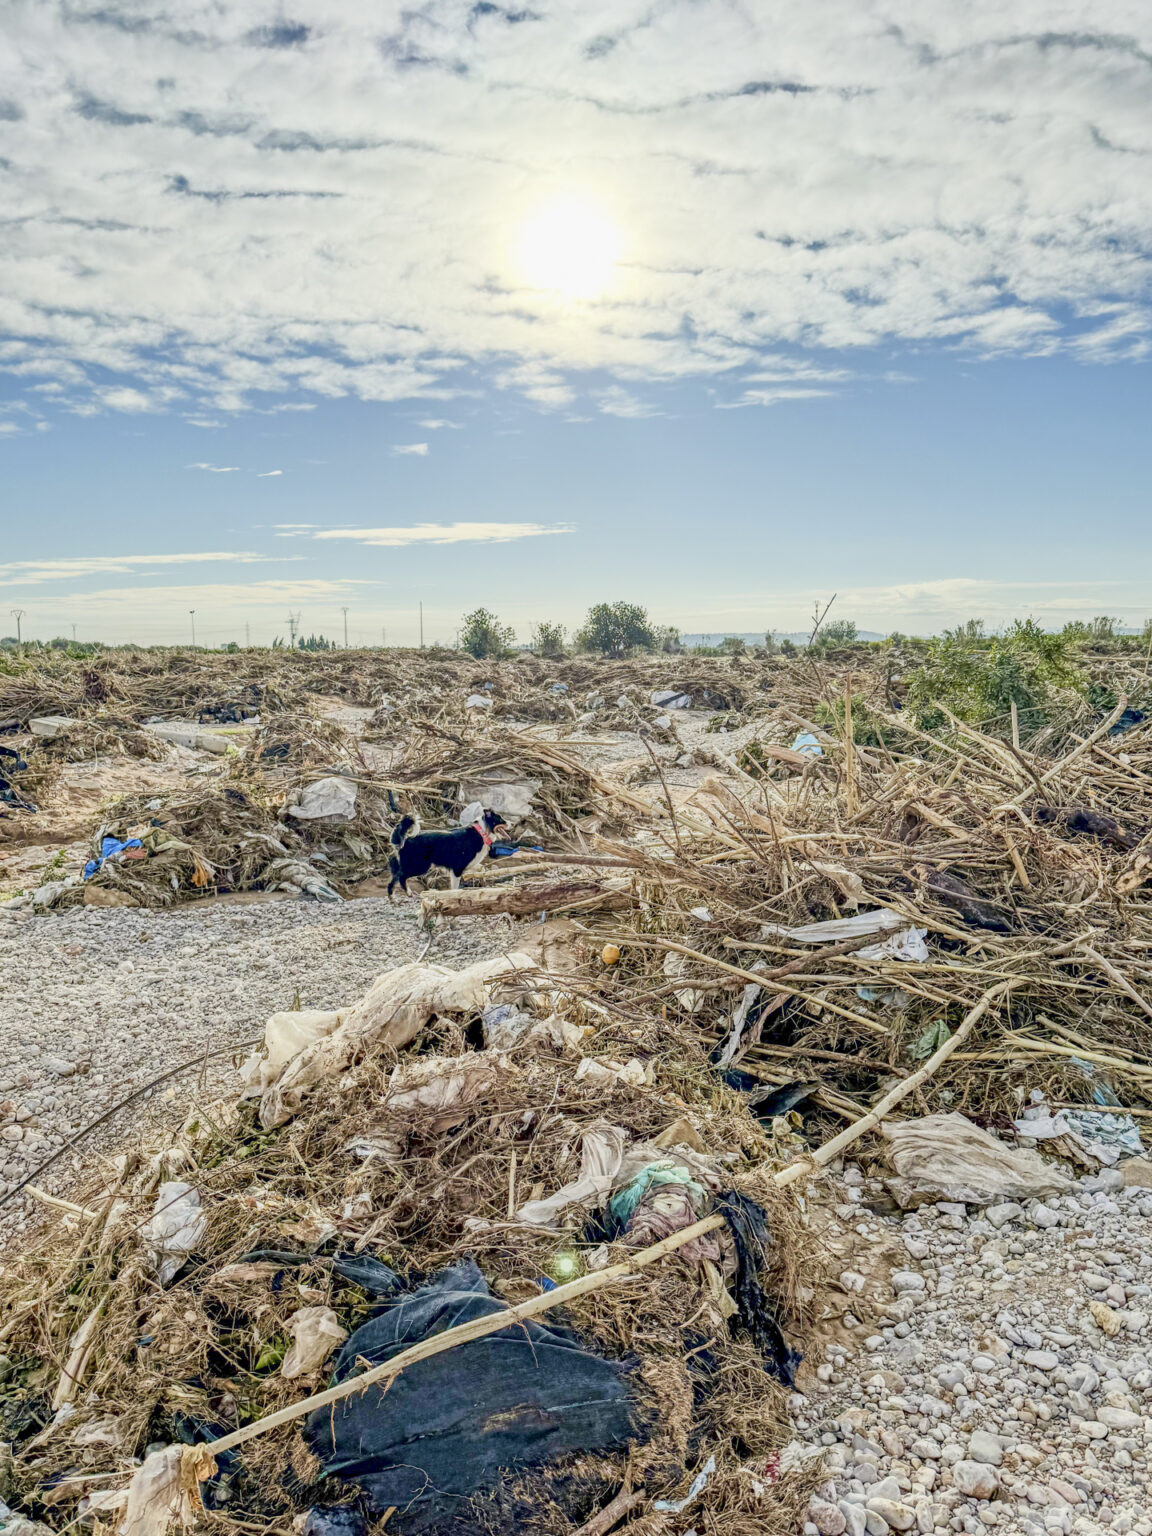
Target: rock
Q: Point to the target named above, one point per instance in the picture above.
(908, 1280)
(1136, 1173)
(985, 1447)
(58, 1065)
(875, 1524)
(48, 727)
(1041, 1359)
(1000, 1215)
(855, 1518)
(1094, 1429)
(897, 1516)
(1105, 1319)
(975, 1479)
(826, 1517)
(1065, 1491)
(1119, 1418)
(1107, 1181)
(1043, 1216)
(887, 1488)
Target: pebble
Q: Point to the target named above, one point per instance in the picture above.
(975, 1479)
(1010, 1398)
(897, 1516)
(985, 1447)
(827, 1518)
(1000, 1215)
(908, 1280)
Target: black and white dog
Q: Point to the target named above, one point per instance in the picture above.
(453, 851)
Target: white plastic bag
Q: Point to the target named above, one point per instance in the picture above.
(332, 799)
(316, 1332)
(176, 1227)
(946, 1157)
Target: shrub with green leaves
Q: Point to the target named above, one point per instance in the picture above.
(979, 679)
(482, 635)
(548, 640)
(614, 629)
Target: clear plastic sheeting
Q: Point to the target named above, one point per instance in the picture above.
(316, 1332)
(946, 1157)
(331, 799)
(177, 1225)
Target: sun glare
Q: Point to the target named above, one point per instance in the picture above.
(570, 247)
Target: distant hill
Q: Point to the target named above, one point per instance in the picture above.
(798, 637)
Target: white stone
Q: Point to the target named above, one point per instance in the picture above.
(985, 1447)
(1041, 1359)
(908, 1280)
(1119, 1418)
(975, 1479)
(898, 1516)
(1000, 1215)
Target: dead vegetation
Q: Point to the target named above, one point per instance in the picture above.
(1012, 957)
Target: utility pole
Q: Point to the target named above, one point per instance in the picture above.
(344, 611)
(421, 626)
(247, 635)
(73, 634)
(18, 614)
(293, 622)
(192, 616)
(383, 638)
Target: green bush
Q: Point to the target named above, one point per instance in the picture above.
(614, 629)
(482, 635)
(548, 640)
(978, 679)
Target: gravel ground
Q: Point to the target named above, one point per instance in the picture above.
(989, 1398)
(97, 1002)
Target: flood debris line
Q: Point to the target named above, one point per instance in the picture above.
(558, 1242)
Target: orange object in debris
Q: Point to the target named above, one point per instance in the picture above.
(610, 954)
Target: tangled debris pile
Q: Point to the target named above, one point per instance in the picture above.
(395, 1185)
(612, 1118)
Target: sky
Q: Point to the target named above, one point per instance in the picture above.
(720, 308)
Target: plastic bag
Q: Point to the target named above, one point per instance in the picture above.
(316, 1332)
(176, 1227)
(332, 799)
(946, 1157)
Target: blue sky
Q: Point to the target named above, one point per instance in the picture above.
(717, 311)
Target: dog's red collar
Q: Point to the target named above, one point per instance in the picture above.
(478, 826)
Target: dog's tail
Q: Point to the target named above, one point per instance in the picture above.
(401, 830)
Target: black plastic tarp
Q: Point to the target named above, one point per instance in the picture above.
(450, 1425)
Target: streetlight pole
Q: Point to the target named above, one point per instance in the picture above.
(18, 614)
(192, 616)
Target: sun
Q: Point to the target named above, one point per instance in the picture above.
(571, 247)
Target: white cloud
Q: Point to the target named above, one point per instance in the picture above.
(420, 450)
(217, 469)
(34, 572)
(208, 221)
(616, 401)
(437, 422)
(269, 473)
(444, 533)
(10, 428)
